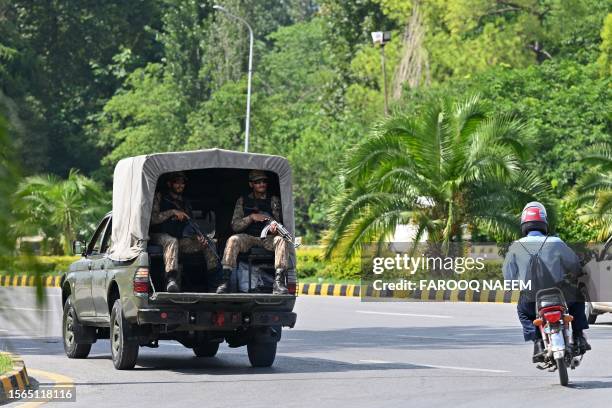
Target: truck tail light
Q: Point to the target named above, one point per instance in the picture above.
(291, 288)
(141, 280)
(218, 318)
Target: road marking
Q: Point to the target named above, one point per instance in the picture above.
(59, 379)
(28, 309)
(404, 314)
(484, 370)
(375, 362)
(449, 338)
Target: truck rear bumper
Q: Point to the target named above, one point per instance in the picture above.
(215, 320)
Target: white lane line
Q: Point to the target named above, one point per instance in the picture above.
(28, 309)
(403, 314)
(483, 370)
(375, 362)
(449, 338)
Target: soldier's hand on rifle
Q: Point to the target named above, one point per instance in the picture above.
(181, 215)
(201, 239)
(273, 228)
(258, 217)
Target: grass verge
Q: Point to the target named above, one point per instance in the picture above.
(6, 364)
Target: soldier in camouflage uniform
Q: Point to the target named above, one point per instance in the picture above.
(170, 229)
(251, 214)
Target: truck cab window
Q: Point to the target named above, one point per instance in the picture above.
(95, 245)
(106, 241)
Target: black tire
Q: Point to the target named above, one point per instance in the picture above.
(206, 349)
(124, 350)
(588, 306)
(70, 324)
(562, 368)
(262, 354)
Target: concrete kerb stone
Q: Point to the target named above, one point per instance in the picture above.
(29, 280)
(330, 289)
(490, 296)
(16, 379)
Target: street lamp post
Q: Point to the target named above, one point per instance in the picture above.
(247, 121)
(382, 38)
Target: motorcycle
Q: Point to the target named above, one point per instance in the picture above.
(553, 321)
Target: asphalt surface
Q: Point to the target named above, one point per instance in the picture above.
(342, 352)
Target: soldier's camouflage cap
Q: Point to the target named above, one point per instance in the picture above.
(255, 175)
(177, 175)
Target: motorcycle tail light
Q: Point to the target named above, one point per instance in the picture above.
(552, 317)
(568, 318)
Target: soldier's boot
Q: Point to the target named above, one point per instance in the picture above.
(172, 282)
(224, 287)
(279, 287)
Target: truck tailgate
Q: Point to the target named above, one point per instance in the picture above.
(234, 298)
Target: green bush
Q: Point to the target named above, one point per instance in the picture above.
(24, 264)
(6, 364)
(310, 263)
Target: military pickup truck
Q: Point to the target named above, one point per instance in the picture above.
(113, 291)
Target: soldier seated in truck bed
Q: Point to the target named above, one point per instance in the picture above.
(251, 213)
(171, 228)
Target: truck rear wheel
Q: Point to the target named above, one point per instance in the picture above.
(262, 354)
(206, 349)
(124, 350)
(71, 325)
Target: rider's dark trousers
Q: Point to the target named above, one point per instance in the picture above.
(527, 313)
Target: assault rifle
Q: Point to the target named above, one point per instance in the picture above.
(270, 221)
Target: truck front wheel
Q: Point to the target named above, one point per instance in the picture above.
(124, 349)
(262, 354)
(70, 328)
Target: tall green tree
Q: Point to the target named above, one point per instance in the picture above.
(8, 182)
(566, 103)
(448, 166)
(65, 71)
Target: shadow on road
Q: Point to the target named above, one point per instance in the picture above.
(304, 341)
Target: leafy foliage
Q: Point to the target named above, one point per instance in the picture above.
(84, 85)
(450, 165)
(595, 189)
(59, 209)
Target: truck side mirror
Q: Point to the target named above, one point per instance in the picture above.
(78, 248)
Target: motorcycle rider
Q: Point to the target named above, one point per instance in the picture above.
(560, 261)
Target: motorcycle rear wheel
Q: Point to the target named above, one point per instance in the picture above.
(562, 368)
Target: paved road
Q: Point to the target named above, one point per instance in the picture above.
(342, 352)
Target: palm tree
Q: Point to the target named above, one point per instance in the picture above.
(454, 165)
(594, 189)
(60, 209)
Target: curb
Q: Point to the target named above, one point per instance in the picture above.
(29, 280)
(330, 289)
(484, 296)
(17, 379)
